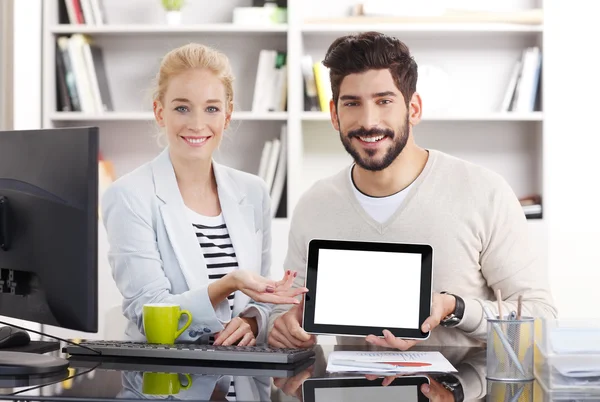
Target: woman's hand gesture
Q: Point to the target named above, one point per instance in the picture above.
(265, 290)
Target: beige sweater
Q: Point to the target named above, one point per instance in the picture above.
(471, 218)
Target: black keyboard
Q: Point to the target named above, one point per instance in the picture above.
(251, 354)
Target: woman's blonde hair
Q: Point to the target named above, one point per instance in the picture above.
(192, 56)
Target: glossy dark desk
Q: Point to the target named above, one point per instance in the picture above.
(127, 380)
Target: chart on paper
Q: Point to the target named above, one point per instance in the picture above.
(388, 362)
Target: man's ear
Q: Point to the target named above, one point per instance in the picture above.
(158, 113)
(415, 109)
(334, 116)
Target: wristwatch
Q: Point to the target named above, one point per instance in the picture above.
(454, 318)
(452, 384)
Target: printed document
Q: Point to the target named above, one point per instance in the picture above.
(388, 362)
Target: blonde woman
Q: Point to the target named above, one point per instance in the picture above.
(184, 229)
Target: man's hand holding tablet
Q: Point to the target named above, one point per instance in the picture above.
(287, 331)
(442, 305)
(386, 289)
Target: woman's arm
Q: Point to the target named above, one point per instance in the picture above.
(137, 267)
(260, 311)
(220, 289)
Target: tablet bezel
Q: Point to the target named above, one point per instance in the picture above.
(426, 252)
(311, 384)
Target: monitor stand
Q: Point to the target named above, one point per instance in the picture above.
(21, 363)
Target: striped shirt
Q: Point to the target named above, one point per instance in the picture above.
(231, 391)
(225, 389)
(216, 246)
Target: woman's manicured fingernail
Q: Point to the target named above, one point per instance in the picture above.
(270, 289)
(425, 389)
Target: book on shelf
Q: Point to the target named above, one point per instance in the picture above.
(532, 206)
(82, 12)
(523, 89)
(273, 168)
(317, 85)
(270, 87)
(81, 78)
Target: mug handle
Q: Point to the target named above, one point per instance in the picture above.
(186, 325)
(189, 382)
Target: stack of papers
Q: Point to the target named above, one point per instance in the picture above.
(577, 352)
(575, 340)
(388, 362)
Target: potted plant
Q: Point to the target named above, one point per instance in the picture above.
(173, 9)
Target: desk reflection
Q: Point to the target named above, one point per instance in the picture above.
(175, 386)
(468, 384)
(117, 379)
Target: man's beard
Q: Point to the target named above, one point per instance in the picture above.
(369, 162)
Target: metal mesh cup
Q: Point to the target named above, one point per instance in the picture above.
(510, 349)
(510, 391)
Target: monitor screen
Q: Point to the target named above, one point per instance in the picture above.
(49, 226)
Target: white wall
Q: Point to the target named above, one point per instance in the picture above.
(572, 140)
(27, 81)
(27, 85)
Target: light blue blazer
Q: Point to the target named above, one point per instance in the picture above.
(155, 256)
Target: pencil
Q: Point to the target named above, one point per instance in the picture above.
(519, 306)
(499, 297)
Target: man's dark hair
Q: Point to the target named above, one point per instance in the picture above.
(358, 53)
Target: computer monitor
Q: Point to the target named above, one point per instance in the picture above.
(48, 232)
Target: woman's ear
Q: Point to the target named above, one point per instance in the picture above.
(228, 114)
(158, 113)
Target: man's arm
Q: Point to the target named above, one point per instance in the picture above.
(285, 321)
(510, 263)
(295, 260)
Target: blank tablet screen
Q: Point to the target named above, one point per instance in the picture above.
(371, 285)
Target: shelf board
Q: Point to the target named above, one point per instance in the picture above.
(424, 27)
(138, 29)
(518, 21)
(149, 116)
(508, 117)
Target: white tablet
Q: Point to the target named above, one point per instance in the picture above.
(361, 288)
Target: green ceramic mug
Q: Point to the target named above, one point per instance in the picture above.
(161, 322)
(164, 383)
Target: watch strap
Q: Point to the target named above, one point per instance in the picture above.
(452, 384)
(457, 315)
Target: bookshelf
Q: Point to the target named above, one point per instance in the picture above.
(478, 58)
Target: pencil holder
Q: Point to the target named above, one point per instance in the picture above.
(511, 391)
(510, 349)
